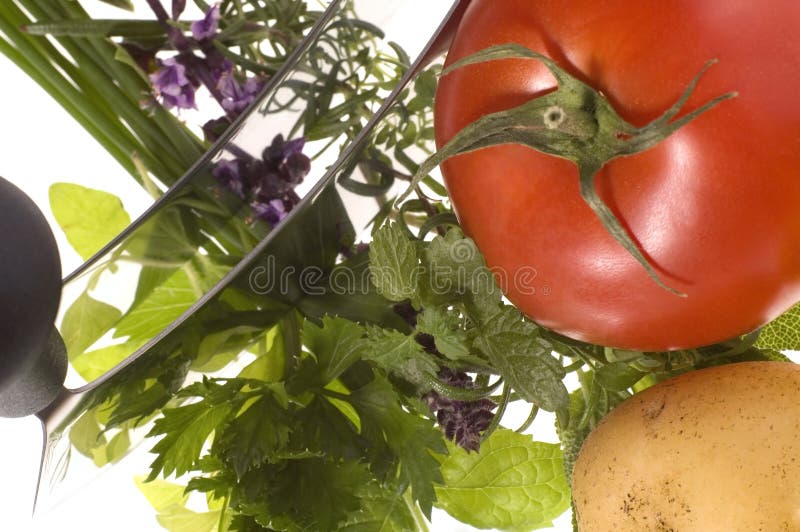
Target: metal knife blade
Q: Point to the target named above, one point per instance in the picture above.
(308, 237)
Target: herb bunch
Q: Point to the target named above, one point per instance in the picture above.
(318, 410)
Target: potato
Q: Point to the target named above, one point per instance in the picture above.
(711, 450)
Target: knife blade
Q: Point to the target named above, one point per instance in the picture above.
(308, 238)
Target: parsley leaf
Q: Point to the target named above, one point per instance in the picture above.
(410, 438)
(335, 344)
(185, 431)
(254, 436)
(382, 510)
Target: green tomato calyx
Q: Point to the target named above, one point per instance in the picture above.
(574, 122)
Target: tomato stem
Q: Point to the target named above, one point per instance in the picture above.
(574, 122)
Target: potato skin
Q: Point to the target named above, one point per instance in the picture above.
(711, 450)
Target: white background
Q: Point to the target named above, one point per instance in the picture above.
(40, 144)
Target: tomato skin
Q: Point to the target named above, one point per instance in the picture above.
(714, 207)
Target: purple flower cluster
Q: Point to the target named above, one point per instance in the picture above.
(461, 421)
(177, 78)
(173, 85)
(267, 184)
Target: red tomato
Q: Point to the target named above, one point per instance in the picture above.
(715, 207)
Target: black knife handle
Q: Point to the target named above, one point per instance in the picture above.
(32, 355)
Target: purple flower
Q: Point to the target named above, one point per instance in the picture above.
(272, 212)
(229, 174)
(286, 159)
(172, 84)
(461, 421)
(207, 27)
(267, 184)
(237, 96)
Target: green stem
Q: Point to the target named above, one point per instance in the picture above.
(498, 415)
(529, 421)
(459, 394)
(574, 122)
(416, 512)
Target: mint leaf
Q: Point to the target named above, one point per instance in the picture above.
(85, 321)
(410, 438)
(185, 431)
(394, 263)
(450, 339)
(513, 483)
(336, 344)
(512, 344)
(456, 271)
(89, 218)
(782, 333)
(398, 353)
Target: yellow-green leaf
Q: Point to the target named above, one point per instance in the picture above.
(86, 320)
(782, 333)
(513, 483)
(89, 218)
(162, 494)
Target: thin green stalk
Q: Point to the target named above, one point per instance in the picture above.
(94, 58)
(34, 63)
(416, 513)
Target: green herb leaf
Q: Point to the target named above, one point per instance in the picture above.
(162, 494)
(185, 431)
(394, 263)
(513, 345)
(316, 493)
(323, 427)
(89, 218)
(456, 271)
(382, 510)
(782, 333)
(255, 435)
(92, 364)
(336, 344)
(181, 519)
(160, 308)
(450, 339)
(85, 321)
(513, 483)
(398, 353)
(410, 438)
(86, 434)
(617, 376)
